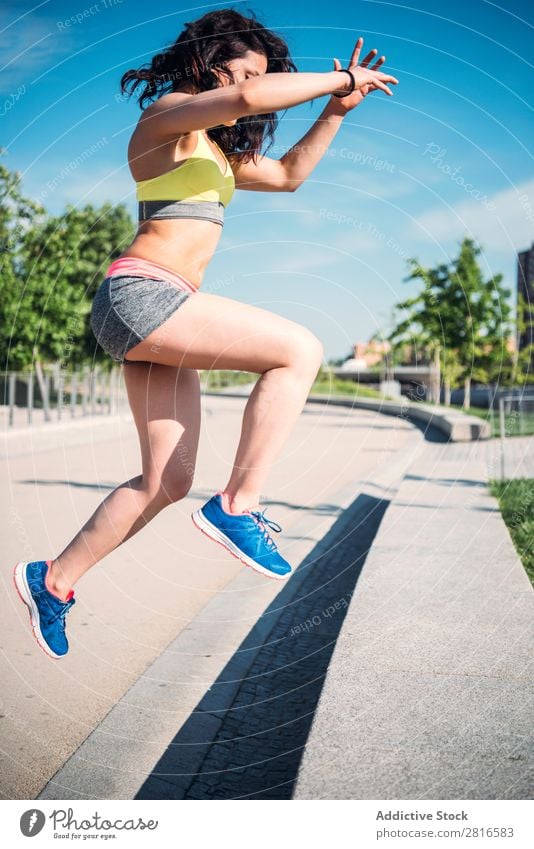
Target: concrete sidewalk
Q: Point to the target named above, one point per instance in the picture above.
(420, 690)
(146, 593)
(429, 690)
(169, 729)
(518, 456)
(195, 678)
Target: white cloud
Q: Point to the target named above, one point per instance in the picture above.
(28, 46)
(509, 225)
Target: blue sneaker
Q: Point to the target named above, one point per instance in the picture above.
(47, 611)
(245, 535)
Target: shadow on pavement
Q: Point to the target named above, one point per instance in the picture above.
(75, 484)
(448, 481)
(246, 737)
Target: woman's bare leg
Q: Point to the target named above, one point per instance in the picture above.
(165, 403)
(212, 332)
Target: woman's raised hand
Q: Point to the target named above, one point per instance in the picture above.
(367, 78)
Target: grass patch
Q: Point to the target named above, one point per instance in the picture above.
(337, 386)
(516, 500)
(219, 379)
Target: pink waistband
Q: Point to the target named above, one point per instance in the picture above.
(147, 268)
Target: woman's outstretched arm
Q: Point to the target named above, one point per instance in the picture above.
(289, 171)
(178, 113)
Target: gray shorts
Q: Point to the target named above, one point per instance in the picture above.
(126, 309)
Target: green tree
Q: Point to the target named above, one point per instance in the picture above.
(16, 214)
(50, 269)
(420, 319)
(459, 320)
(108, 231)
(65, 260)
(481, 319)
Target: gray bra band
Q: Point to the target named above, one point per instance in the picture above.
(209, 210)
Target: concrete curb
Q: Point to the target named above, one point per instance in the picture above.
(457, 426)
(428, 693)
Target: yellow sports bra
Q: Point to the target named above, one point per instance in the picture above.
(197, 188)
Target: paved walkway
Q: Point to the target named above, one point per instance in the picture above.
(146, 594)
(518, 456)
(392, 665)
(429, 691)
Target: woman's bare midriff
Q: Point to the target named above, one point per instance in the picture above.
(184, 245)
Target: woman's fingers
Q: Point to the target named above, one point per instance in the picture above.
(375, 78)
(382, 86)
(356, 52)
(369, 58)
(385, 78)
(364, 75)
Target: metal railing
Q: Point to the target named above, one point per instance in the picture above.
(516, 418)
(60, 395)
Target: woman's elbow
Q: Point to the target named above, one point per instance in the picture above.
(293, 185)
(247, 98)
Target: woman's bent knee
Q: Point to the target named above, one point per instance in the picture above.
(317, 353)
(307, 352)
(169, 492)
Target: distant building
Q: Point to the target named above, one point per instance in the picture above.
(525, 288)
(369, 354)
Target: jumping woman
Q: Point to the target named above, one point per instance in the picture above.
(212, 102)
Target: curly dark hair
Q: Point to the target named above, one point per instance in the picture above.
(187, 65)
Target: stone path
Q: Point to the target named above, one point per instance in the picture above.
(394, 664)
(146, 594)
(429, 691)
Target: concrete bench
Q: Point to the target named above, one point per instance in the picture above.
(457, 426)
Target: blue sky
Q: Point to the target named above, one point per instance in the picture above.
(448, 155)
